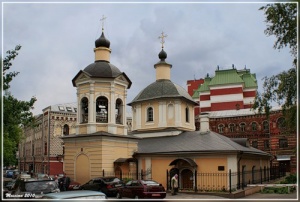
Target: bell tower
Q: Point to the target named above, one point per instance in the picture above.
(101, 93)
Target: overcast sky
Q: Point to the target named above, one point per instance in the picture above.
(58, 40)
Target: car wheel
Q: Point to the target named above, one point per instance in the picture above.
(119, 196)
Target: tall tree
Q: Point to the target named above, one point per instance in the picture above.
(16, 113)
(281, 19)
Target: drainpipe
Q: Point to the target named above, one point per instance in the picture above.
(239, 171)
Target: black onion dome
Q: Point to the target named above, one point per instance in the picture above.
(102, 69)
(102, 42)
(162, 55)
(160, 89)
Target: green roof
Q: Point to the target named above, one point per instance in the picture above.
(204, 87)
(196, 94)
(229, 76)
(250, 80)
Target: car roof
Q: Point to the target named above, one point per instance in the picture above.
(104, 177)
(36, 180)
(73, 194)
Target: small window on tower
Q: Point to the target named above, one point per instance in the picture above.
(69, 109)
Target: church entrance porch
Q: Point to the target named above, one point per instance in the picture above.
(186, 170)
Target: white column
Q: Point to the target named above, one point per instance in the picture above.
(91, 118)
(112, 108)
(138, 116)
(162, 112)
(124, 114)
(79, 112)
(178, 113)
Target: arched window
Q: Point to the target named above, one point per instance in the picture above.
(150, 114)
(119, 111)
(243, 127)
(254, 126)
(187, 114)
(66, 130)
(266, 125)
(281, 123)
(231, 127)
(84, 110)
(101, 110)
(221, 128)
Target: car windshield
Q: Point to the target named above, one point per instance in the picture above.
(113, 179)
(40, 186)
(150, 182)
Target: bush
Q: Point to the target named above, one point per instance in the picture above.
(291, 179)
(277, 190)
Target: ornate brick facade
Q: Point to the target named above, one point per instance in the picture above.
(267, 135)
(41, 150)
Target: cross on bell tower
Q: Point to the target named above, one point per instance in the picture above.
(102, 19)
(162, 37)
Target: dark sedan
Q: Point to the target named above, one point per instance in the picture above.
(107, 185)
(142, 189)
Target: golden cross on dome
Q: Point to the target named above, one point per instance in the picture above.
(102, 19)
(162, 37)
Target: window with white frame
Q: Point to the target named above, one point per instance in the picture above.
(221, 128)
(187, 114)
(243, 127)
(266, 125)
(231, 127)
(150, 114)
(254, 126)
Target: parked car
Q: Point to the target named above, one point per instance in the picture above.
(78, 194)
(142, 189)
(107, 185)
(8, 173)
(34, 188)
(74, 186)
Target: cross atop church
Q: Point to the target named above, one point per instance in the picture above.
(102, 19)
(162, 37)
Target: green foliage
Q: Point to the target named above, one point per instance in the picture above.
(16, 113)
(7, 77)
(280, 88)
(291, 179)
(277, 190)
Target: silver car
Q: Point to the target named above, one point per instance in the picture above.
(78, 194)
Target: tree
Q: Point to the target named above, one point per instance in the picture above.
(281, 19)
(16, 113)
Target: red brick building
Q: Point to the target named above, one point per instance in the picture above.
(227, 98)
(192, 86)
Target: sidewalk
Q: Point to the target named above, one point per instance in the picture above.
(280, 197)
